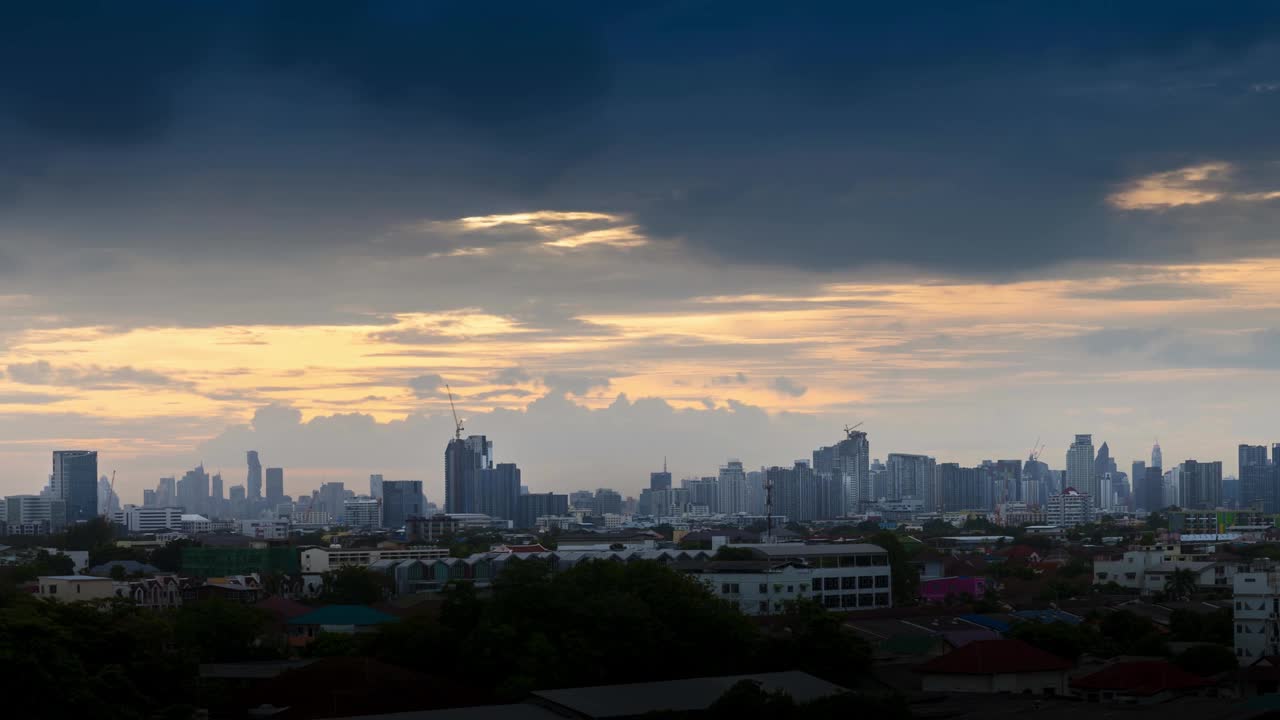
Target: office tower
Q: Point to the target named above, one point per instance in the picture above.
(535, 505)
(333, 497)
(75, 482)
(703, 492)
(193, 490)
(1157, 457)
(879, 474)
(26, 509)
(360, 512)
(166, 492)
(275, 485)
(911, 478)
(1037, 481)
(607, 502)
(236, 493)
(1150, 493)
(660, 480)
(1260, 487)
(463, 459)
(732, 488)
(1200, 484)
(795, 492)
(1009, 481)
(1231, 492)
(375, 487)
(108, 500)
(582, 500)
(1080, 468)
(960, 487)
(148, 498)
(1251, 455)
(401, 500)
(254, 479)
(215, 486)
(847, 464)
(497, 489)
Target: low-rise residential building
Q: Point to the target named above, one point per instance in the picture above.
(996, 666)
(74, 588)
(1147, 569)
(321, 560)
(265, 529)
(1137, 682)
(1256, 614)
(757, 587)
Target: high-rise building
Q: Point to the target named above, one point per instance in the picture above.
(660, 480)
(703, 492)
(1260, 486)
(75, 482)
(166, 492)
(1157, 457)
(1251, 455)
(879, 474)
(607, 502)
(236, 493)
(215, 486)
(463, 460)
(254, 478)
(848, 466)
(497, 489)
(1037, 481)
(375, 487)
(193, 490)
(362, 512)
(1201, 484)
(275, 485)
(795, 491)
(148, 498)
(961, 488)
(1081, 473)
(732, 487)
(401, 500)
(333, 499)
(911, 478)
(535, 505)
(108, 500)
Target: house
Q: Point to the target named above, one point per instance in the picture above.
(131, 568)
(344, 619)
(1138, 681)
(74, 588)
(938, 590)
(996, 666)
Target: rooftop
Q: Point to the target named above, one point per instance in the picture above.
(990, 657)
(344, 615)
(802, 550)
(81, 578)
(1140, 677)
(678, 695)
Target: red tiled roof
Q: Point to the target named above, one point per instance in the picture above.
(990, 657)
(1140, 677)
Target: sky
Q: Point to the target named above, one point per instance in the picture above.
(623, 232)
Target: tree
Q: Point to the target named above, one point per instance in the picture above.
(169, 556)
(1207, 660)
(1181, 583)
(118, 573)
(354, 585)
(216, 630)
(906, 580)
(89, 535)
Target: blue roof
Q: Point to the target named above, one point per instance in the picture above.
(344, 615)
(1048, 616)
(999, 626)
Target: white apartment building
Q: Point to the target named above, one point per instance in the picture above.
(1257, 615)
(148, 519)
(363, 512)
(320, 560)
(73, 588)
(1068, 509)
(853, 576)
(757, 587)
(265, 529)
(1147, 569)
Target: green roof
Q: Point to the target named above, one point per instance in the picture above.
(909, 644)
(344, 615)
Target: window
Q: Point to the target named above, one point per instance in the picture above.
(831, 601)
(848, 561)
(764, 607)
(848, 583)
(791, 588)
(865, 600)
(882, 598)
(880, 560)
(882, 581)
(865, 582)
(764, 588)
(864, 561)
(729, 589)
(53, 589)
(77, 588)
(848, 601)
(831, 583)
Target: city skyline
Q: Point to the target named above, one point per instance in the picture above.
(1076, 237)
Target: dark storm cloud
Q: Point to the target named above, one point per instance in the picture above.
(975, 137)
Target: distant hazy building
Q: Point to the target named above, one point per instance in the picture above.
(911, 477)
(846, 466)
(607, 502)
(254, 479)
(1201, 484)
(1157, 457)
(660, 480)
(1069, 508)
(166, 492)
(215, 487)
(1081, 474)
(149, 519)
(375, 487)
(795, 491)
(960, 488)
(51, 512)
(75, 482)
(732, 487)
(532, 506)
(148, 498)
(703, 492)
(1250, 455)
(236, 494)
(497, 489)
(363, 513)
(333, 498)
(401, 500)
(463, 460)
(275, 485)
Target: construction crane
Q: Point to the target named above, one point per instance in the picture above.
(848, 429)
(457, 433)
(1036, 449)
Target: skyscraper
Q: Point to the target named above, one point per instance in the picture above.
(401, 500)
(375, 487)
(1080, 468)
(463, 459)
(732, 487)
(535, 505)
(333, 500)
(75, 481)
(1157, 457)
(660, 480)
(607, 502)
(795, 492)
(845, 468)
(911, 478)
(702, 491)
(215, 486)
(1201, 484)
(1251, 455)
(497, 489)
(275, 485)
(254, 480)
(166, 492)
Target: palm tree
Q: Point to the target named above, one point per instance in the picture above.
(1180, 584)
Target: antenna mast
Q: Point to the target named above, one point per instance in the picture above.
(457, 432)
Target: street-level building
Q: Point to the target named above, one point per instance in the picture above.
(852, 576)
(74, 588)
(757, 587)
(1256, 608)
(321, 560)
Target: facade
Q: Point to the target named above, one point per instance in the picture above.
(911, 477)
(375, 487)
(1201, 484)
(1257, 614)
(755, 587)
(75, 588)
(660, 480)
(75, 482)
(1068, 509)
(1260, 487)
(275, 485)
(364, 513)
(1147, 569)
(1080, 468)
(497, 490)
(463, 459)
(852, 576)
(846, 468)
(195, 524)
(795, 492)
(224, 561)
(996, 666)
(401, 500)
(265, 529)
(732, 488)
(321, 560)
(35, 510)
(532, 506)
(254, 479)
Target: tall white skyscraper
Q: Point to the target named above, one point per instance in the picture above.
(732, 487)
(1157, 458)
(1080, 469)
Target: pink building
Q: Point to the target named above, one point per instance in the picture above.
(937, 590)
